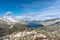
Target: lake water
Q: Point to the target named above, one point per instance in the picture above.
(35, 25)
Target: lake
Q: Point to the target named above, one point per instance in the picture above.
(35, 25)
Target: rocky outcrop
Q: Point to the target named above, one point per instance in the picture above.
(31, 35)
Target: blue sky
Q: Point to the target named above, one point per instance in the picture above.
(31, 9)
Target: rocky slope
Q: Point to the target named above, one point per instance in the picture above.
(31, 35)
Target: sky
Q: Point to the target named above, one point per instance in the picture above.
(31, 9)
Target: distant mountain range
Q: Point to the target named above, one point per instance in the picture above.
(52, 24)
(50, 21)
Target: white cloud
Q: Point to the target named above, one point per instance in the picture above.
(8, 13)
